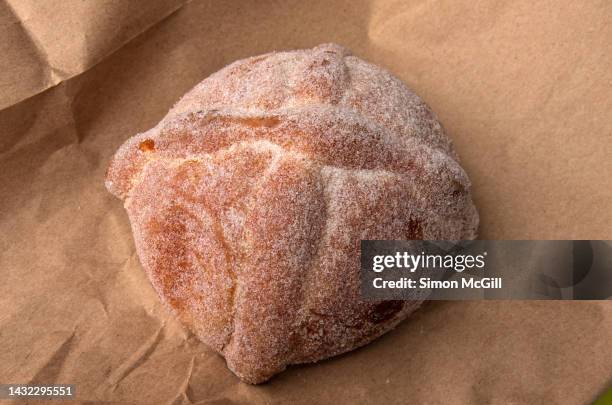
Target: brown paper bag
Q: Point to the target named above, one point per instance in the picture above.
(523, 89)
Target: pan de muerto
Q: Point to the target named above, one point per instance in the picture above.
(248, 202)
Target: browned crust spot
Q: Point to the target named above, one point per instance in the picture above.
(148, 145)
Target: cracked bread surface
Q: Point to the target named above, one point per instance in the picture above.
(249, 200)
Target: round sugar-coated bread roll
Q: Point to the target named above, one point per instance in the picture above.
(249, 200)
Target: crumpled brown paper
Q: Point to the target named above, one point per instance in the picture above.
(523, 88)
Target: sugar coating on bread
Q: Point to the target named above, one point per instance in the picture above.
(249, 200)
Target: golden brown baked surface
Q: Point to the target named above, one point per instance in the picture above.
(249, 199)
